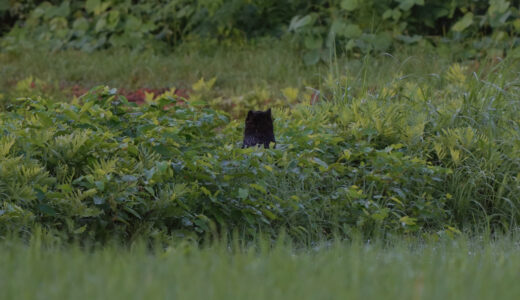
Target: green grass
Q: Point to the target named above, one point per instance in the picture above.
(271, 64)
(266, 65)
(451, 269)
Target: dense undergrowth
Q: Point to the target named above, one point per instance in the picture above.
(437, 155)
(318, 27)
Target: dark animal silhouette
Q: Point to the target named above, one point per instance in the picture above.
(259, 129)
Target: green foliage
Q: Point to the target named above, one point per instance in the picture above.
(110, 168)
(412, 154)
(95, 24)
(374, 26)
(320, 27)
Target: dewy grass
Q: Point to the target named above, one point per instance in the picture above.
(452, 269)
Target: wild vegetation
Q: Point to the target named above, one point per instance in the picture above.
(319, 26)
(396, 171)
(406, 158)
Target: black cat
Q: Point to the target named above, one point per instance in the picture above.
(259, 129)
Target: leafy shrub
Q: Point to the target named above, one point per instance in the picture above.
(409, 157)
(321, 27)
(368, 26)
(111, 168)
(95, 24)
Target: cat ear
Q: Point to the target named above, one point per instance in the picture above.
(249, 115)
(268, 111)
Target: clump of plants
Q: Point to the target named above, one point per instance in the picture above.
(436, 156)
(104, 167)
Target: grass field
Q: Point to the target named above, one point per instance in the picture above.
(451, 269)
(266, 66)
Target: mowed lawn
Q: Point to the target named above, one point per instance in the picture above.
(451, 269)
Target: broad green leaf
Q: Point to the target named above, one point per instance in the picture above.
(396, 14)
(44, 119)
(205, 191)
(46, 209)
(320, 162)
(463, 23)
(406, 5)
(313, 42)
(498, 6)
(133, 212)
(353, 31)
(133, 24)
(338, 27)
(312, 57)
(81, 24)
(86, 106)
(101, 24)
(349, 5)
(92, 5)
(382, 41)
(243, 193)
(388, 14)
(71, 114)
(350, 45)
(113, 19)
(297, 22)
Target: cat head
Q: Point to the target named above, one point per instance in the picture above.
(259, 119)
